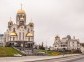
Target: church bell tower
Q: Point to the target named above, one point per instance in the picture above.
(21, 17)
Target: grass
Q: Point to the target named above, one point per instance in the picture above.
(50, 53)
(8, 51)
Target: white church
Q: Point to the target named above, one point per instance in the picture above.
(20, 34)
(66, 43)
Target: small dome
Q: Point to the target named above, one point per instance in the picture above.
(31, 24)
(57, 37)
(68, 36)
(13, 34)
(29, 35)
(10, 21)
(20, 11)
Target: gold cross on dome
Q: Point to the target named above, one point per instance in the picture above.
(21, 6)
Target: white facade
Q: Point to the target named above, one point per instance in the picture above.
(66, 43)
(74, 44)
(82, 47)
(19, 33)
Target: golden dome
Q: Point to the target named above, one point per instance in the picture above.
(29, 35)
(20, 11)
(13, 34)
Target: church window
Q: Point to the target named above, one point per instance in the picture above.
(10, 23)
(19, 35)
(21, 27)
(19, 18)
(55, 46)
(23, 16)
(13, 38)
(28, 38)
(23, 35)
(10, 38)
(28, 29)
(31, 30)
(13, 29)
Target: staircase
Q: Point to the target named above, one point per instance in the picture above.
(26, 51)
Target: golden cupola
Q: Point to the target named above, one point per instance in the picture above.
(29, 34)
(21, 17)
(13, 33)
(20, 11)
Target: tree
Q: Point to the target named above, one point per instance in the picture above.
(42, 46)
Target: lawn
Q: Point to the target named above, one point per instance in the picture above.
(50, 53)
(8, 51)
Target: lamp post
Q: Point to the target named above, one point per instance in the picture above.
(63, 51)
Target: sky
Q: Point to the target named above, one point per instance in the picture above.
(50, 17)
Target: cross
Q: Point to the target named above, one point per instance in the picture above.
(21, 6)
(31, 19)
(10, 18)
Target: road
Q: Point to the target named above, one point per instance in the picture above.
(65, 59)
(78, 60)
(60, 58)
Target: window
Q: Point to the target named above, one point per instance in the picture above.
(10, 23)
(55, 46)
(19, 35)
(13, 38)
(10, 38)
(13, 29)
(28, 30)
(23, 35)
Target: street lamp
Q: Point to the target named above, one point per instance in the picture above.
(63, 51)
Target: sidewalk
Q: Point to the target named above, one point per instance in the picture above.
(31, 58)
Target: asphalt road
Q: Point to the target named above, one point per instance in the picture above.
(60, 58)
(65, 59)
(79, 60)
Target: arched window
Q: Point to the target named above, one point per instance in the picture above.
(28, 30)
(13, 38)
(10, 38)
(19, 35)
(23, 35)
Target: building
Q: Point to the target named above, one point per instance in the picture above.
(82, 47)
(1, 39)
(66, 43)
(20, 34)
(74, 44)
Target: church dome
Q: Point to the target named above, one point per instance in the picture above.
(31, 24)
(29, 35)
(57, 37)
(68, 36)
(10, 21)
(13, 34)
(20, 11)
